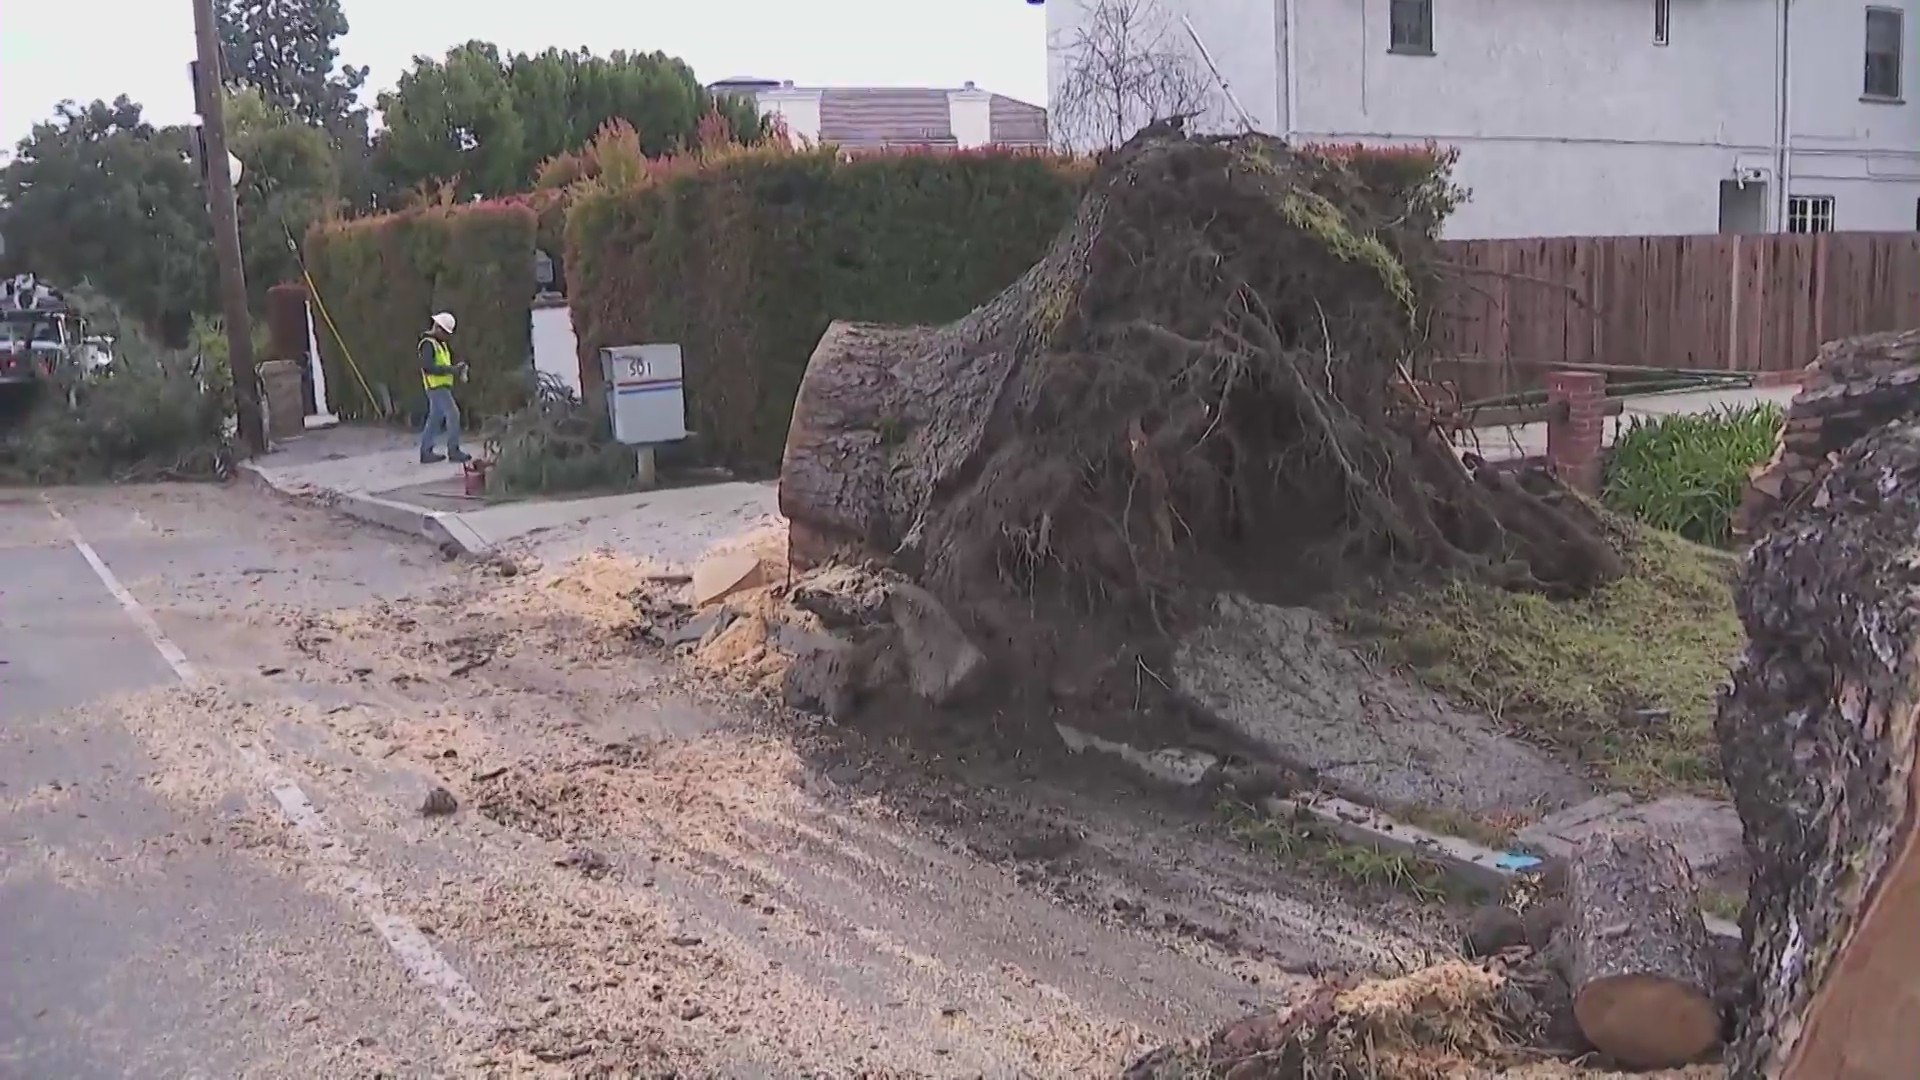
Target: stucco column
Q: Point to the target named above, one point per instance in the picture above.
(970, 113)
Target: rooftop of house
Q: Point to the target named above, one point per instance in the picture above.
(885, 115)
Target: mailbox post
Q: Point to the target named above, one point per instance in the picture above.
(647, 399)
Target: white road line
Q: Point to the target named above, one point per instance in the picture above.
(169, 652)
(455, 996)
(424, 962)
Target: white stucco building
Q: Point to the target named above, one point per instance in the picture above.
(1591, 117)
(864, 118)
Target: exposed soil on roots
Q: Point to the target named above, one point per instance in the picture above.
(1204, 385)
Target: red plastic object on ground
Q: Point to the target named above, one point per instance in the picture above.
(473, 476)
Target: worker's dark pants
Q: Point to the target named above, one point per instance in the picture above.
(442, 412)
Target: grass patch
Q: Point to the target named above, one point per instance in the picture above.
(1623, 681)
(1450, 822)
(1302, 841)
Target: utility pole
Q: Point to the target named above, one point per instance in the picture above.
(210, 96)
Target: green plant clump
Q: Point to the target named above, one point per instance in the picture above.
(555, 443)
(155, 416)
(1686, 473)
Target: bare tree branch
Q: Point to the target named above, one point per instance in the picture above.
(1125, 67)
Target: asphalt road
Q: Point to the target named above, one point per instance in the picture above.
(219, 714)
(138, 938)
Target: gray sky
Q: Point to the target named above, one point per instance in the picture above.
(48, 53)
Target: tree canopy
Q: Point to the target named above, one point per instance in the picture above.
(289, 51)
(289, 179)
(488, 121)
(450, 119)
(98, 194)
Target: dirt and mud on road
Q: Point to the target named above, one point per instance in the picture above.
(649, 871)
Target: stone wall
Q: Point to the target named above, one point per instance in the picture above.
(1853, 387)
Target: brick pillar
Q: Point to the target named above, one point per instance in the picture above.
(1574, 437)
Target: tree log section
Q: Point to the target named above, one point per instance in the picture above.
(1639, 962)
(1817, 740)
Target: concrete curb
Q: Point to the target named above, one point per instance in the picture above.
(1472, 864)
(438, 526)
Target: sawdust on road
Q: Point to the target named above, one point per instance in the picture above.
(650, 870)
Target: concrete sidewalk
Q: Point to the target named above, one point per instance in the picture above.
(1530, 440)
(375, 475)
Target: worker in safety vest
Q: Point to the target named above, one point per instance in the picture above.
(438, 373)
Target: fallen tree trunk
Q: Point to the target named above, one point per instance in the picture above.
(1818, 742)
(1639, 961)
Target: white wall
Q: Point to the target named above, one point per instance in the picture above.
(970, 116)
(555, 350)
(1568, 118)
(800, 109)
(1866, 154)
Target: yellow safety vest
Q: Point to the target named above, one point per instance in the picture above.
(443, 355)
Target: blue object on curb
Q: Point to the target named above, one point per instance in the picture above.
(1515, 861)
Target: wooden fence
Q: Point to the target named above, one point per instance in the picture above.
(1734, 303)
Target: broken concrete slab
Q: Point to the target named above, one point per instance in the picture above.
(942, 665)
(825, 676)
(1474, 864)
(700, 627)
(1283, 680)
(1707, 831)
(1171, 765)
(719, 576)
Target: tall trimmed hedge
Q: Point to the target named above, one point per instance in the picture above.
(381, 279)
(744, 259)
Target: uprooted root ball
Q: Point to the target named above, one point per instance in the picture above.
(1205, 379)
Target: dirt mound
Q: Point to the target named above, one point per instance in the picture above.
(1202, 385)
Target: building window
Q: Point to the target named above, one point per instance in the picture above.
(1810, 214)
(1410, 27)
(1662, 16)
(1885, 27)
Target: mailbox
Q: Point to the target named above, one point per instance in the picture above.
(646, 393)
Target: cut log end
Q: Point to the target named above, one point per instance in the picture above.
(1648, 1021)
(1641, 966)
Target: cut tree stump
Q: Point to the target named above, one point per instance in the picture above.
(1818, 743)
(1639, 960)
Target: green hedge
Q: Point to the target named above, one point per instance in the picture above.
(381, 279)
(744, 258)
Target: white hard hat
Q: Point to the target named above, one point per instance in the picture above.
(444, 320)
